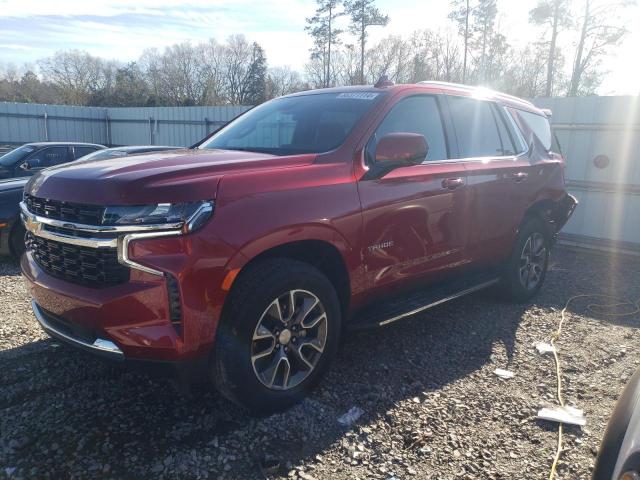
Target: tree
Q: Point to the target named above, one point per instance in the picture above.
(555, 15)
(76, 73)
(461, 14)
(600, 32)
(282, 81)
(484, 22)
(325, 35)
(363, 14)
(256, 89)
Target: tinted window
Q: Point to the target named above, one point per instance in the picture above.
(302, 124)
(476, 128)
(516, 134)
(419, 114)
(506, 136)
(16, 156)
(48, 157)
(82, 151)
(538, 125)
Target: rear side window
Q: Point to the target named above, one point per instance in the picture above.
(417, 114)
(538, 125)
(476, 128)
(82, 151)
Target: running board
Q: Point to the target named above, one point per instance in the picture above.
(384, 313)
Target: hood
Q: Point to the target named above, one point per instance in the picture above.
(168, 176)
(13, 184)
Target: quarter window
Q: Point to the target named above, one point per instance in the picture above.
(418, 114)
(476, 128)
(538, 125)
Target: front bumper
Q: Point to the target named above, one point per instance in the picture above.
(58, 328)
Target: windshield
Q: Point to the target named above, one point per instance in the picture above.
(14, 156)
(302, 124)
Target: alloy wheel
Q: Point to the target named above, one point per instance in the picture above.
(289, 340)
(532, 261)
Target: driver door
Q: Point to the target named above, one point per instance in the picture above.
(415, 220)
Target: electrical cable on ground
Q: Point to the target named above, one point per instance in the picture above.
(596, 308)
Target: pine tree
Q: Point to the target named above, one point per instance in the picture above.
(257, 77)
(325, 34)
(364, 14)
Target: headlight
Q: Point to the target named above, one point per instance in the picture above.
(192, 215)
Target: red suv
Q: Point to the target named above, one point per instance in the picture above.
(246, 257)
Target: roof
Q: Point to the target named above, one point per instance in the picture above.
(445, 87)
(71, 144)
(139, 148)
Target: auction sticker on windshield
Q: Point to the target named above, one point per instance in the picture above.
(359, 95)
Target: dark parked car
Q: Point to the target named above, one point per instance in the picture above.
(245, 258)
(11, 230)
(29, 158)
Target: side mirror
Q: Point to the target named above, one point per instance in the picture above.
(400, 149)
(25, 166)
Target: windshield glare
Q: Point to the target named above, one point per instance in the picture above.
(14, 156)
(302, 124)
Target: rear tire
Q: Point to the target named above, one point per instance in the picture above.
(277, 335)
(526, 269)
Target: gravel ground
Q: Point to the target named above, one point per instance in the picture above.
(432, 406)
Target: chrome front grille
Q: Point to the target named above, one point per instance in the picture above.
(90, 267)
(65, 211)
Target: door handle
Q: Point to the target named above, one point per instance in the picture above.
(520, 176)
(452, 183)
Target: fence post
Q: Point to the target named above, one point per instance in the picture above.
(150, 130)
(107, 121)
(206, 126)
(46, 129)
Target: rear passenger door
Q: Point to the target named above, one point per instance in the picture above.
(498, 172)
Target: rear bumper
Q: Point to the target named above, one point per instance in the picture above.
(563, 211)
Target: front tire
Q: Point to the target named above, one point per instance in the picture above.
(527, 267)
(16, 240)
(277, 335)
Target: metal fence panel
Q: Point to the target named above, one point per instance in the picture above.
(178, 126)
(609, 189)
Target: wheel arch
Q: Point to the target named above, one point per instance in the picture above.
(321, 253)
(543, 210)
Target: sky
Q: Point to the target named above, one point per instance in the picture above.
(122, 29)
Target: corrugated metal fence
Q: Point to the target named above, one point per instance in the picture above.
(180, 126)
(600, 140)
(599, 136)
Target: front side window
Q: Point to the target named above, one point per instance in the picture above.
(313, 123)
(418, 114)
(48, 157)
(476, 128)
